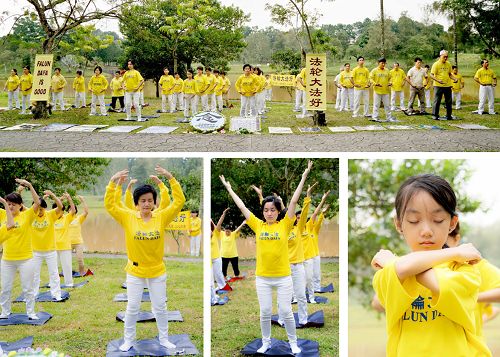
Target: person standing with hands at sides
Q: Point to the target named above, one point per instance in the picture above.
(201, 87)
(167, 87)
(97, 86)
(487, 81)
(195, 234)
(225, 89)
(18, 251)
(347, 88)
(398, 77)
(189, 91)
(75, 234)
(415, 78)
(218, 90)
(273, 265)
(212, 83)
(58, 84)
(145, 238)
(456, 90)
(132, 82)
(361, 81)
(26, 86)
(79, 88)
(177, 95)
(117, 92)
(12, 88)
(338, 98)
(428, 86)
(300, 92)
(380, 77)
(430, 294)
(246, 85)
(63, 240)
(443, 77)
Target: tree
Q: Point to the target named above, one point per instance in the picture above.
(382, 29)
(372, 189)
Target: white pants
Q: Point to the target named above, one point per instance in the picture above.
(401, 99)
(486, 92)
(158, 294)
(377, 99)
(268, 94)
(167, 98)
(220, 104)
(248, 106)
(54, 281)
(260, 102)
(213, 296)
(195, 245)
(8, 272)
(58, 97)
(217, 272)
(428, 103)
(347, 102)
(300, 99)
(178, 99)
(284, 289)
(129, 98)
(102, 104)
(299, 290)
(309, 269)
(211, 102)
(13, 96)
(358, 94)
(457, 98)
(66, 261)
(338, 99)
(26, 103)
(204, 102)
(190, 101)
(316, 273)
(80, 99)
(141, 97)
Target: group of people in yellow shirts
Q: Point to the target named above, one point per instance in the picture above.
(254, 88)
(287, 255)
(36, 234)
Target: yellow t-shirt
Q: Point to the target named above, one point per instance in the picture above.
(247, 85)
(117, 87)
(268, 84)
(295, 246)
(227, 84)
(262, 83)
(228, 248)
(442, 72)
(18, 244)
(79, 84)
(271, 246)
(189, 86)
(345, 79)
(418, 324)
(178, 84)
(26, 83)
(397, 79)
(61, 227)
(195, 228)
(485, 76)
(200, 84)
(98, 84)
(58, 83)
(214, 244)
(457, 87)
(428, 82)
(167, 84)
(3, 217)
(75, 229)
(382, 77)
(219, 86)
(315, 233)
(43, 233)
(144, 240)
(132, 78)
(13, 82)
(490, 279)
(310, 244)
(299, 85)
(211, 84)
(361, 77)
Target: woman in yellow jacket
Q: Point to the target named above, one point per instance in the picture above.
(26, 86)
(247, 85)
(273, 264)
(144, 237)
(12, 88)
(97, 86)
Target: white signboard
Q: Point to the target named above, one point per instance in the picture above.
(252, 124)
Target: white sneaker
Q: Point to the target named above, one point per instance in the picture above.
(57, 298)
(33, 317)
(295, 349)
(264, 348)
(167, 344)
(312, 301)
(141, 120)
(126, 345)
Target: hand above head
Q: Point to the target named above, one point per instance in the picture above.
(325, 209)
(155, 179)
(325, 195)
(224, 182)
(48, 193)
(310, 188)
(163, 172)
(3, 201)
(116, 176)
(257, 189)
(23, 182)
(131, 183)
(225, 211)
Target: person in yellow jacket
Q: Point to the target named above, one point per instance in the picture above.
(380, 77)
(178, 95)
(212, 84)
(26, 80)
(215, 253)
(63, 239)
(189, 94)
(117, 92)
(219, 88)
(487, 81)
(144, 230)
(225, 90)
(18, 251)
(195, 234)
(430, 294)
(201, 87)
(57, 87)
(347, 101)
(132, 82)
(361, 81)
(97, 86)
(166, 83)
(75, 234)
(272, 260)
(79, 88)
(398, 80)
(247, 85)
(456, 89)
(443, 79)
(12, 87)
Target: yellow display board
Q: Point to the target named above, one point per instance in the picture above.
(282, 80)
(42, 76)
(316, 81)
(181, 223)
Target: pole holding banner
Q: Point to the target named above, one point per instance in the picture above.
(316, 81)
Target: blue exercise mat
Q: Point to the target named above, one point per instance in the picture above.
(23, 319)
(221, 301)
(122, 297)
(316, 319)
(318, 299)
(45, 297)
(281, 348)
(17, 345)
(79, 285)
(148, 316)
(152, 347)
(326, 289)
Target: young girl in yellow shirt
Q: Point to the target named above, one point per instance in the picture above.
(97, 86)
(26, 85)
(12, 88)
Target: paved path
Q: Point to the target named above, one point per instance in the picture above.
(411, 140)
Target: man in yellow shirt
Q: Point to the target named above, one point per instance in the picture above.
(97, 86)
(380, 78)
(247, 85)
(361, 82)
(26, 86)
(58, 84)
(456, 90)
(398, 77)
(212, 83)
(177, 94)
(487, 81)
(79, 87)
(201, 87)
(12, 88)
(219, 89)
(167, 88)
(195, 234)
(132, 82)
(300, 91)
(347, 99)
(117, 92)
(189, 92)
(443, 78)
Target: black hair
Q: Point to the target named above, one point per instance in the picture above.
(190, 71)
(247, 65)
(166, 68)
(223, 73)
(483, 61)
(382, 60)
(216, 71)
(57, 69)
(142, 190)
(199, 67)
(117, 72)
(43, 203)
(195, 211)
(347, 64)
(208, 69)
(418, 59)
(274, 200)
(258, 70)
(396, 63)
(99, 68)
(175, 73)
(453, 67)
(427, 66)
(436, 186)
(15, 70)
(131, 61)
(357, 59)
(28, 68)
(14, 197)
(80, 72)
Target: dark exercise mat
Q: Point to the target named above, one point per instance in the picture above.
(281, 348)
(17, 345)
(326, 289)
(221, 301)
(152, 347)
(122, 297)
(316, 319)
(148, 316)
(22, 319)
(318, 299)
(79, 285)
(45, 297)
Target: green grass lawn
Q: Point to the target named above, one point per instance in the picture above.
(237, 323)
(83, 325)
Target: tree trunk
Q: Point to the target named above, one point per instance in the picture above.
(455, 43)
(382, 24)
(175, 61)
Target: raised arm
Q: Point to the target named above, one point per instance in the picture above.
(59, 208)
(237, 230)
(164, 195)
(34, 195)
(221, 219)
(129, 199)
(298, 191)
(318, 209)
(85, 206)
(244, 210)
(178, 201)
(111, 201)
(258, 190)
(72, 209)
(10, 219)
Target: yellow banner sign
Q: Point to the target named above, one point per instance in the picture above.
(42, 76)
(316, 81)
(181, 223)
(282, 80)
